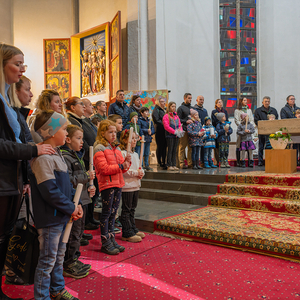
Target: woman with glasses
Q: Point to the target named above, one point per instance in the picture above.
(13, 148)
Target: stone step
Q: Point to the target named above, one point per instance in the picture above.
(174, 196)
(183, 186)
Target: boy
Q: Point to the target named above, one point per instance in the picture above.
(224, 131)
(119, 124)
(52, 197)
(147, 129)
(134, 122)
(73, 154)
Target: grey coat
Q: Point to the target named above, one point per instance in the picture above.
(245, 136)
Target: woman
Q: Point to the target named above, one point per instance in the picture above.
(242, 107)
(135, 105)
(218, 109)
(48, 100)
(13, 147)
(160, 136)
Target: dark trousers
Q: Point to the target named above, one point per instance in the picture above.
(202, 154)
(172, 148)
(161, 146)
(223, 152)
(129, 204)
(90, 207)
(110, 204)
(72, 248)
(196, 153)
(262, 139)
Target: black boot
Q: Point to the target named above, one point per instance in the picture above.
(199, 165)
(243, 164)
(195, 165)
(250, 163)
(238, 157)
(109, 248)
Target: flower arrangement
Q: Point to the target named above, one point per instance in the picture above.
(281, 134)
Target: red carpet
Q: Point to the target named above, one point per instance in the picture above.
(164, 268)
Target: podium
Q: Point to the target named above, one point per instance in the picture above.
(281, 161)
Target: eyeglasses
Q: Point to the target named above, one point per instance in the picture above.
(19, 65)
(81, 103)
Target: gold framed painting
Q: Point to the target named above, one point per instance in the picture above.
(59, 82)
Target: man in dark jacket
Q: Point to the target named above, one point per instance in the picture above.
(183, 113)
(120, 107)
(202, 112)
(288, 111)
(262, 113)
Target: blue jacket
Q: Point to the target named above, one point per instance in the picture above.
(287, 112)
(214, 120)
(52, 191)
(144, 126)
(209, 142)
(193, 129)
(119, 109)
(202, 113)
(222, 138)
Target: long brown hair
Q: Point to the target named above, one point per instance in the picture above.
(240, 105)
(103, 127)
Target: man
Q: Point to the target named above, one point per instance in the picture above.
(288, 111)
(101, 110)
(120, 107)
(202, 114)
(183, 113)
(262, 113)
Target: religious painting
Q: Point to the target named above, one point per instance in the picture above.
(59, 82)
(57, 55)
(148, 98)
(115, 32)
(115, 76)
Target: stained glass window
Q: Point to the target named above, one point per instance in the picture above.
(228, 53)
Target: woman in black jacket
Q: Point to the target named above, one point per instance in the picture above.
(160, 135)
(13, 148)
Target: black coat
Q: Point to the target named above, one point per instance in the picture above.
(11, 153)
(262, 113)
(183, 112)
(157, 116)
(214, 119)
(287, 112)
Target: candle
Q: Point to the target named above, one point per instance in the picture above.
(142, 151)
(150, 120)
(211, 131)
(129, 140)
(135, 126)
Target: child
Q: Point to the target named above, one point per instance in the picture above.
(134, 122)
(224, 131)
(117, 119)
(147, 129)
(73, 154)
(209, 142)
(52, 197)
(96, 121)
(130, 192)
(173, 130)
(195, 133)
(110, 166)
(246, 140)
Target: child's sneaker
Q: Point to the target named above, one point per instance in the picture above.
(83, 266)
(74, 270)
(132, 239)
(223, 165)
(227, 164)
(63, 295)
(140, 234)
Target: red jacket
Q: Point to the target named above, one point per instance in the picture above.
(108, 165)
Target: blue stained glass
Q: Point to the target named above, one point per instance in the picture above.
(241, 23)
(245, 61)
(232, 21)
(223, 63)
(231, 90)
(223, 89)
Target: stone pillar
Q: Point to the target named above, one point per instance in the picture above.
(143, 44)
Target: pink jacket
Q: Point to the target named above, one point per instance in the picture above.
(171, 123)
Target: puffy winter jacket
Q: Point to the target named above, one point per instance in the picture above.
(183, 113)
(261, 113)
(288, 112)
(214, 119)
(171, 122)
(202, 112)
(245, 136)
(193, 129)
(144, 126)
(222, 137)
(108, 162)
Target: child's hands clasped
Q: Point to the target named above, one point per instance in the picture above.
(91, 174)
(201, 133)
(247, 130)
(92, 191)
(140, 174)
(78, 213)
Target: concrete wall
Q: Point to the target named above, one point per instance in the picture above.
(187, 44)
(6, 23)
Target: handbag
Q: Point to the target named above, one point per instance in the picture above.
(23, 247)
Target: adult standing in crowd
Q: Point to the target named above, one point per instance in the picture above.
(242, 107)
(160, 135)
(202, 112)
(75, 109)
(262, 113)
(183, 113)
(101, 108)
(13, 148)
(120, 107)
(135, 105)
(288, 111)
(218, 109)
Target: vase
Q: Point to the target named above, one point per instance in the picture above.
(278, 144)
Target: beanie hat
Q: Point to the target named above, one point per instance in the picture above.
(192, 111)
(220, 116)
(134, 113)
(243, 116)
(206, 119)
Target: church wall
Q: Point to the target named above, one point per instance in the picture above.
(6, 25)
(34, 21)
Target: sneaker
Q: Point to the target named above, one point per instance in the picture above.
(14, 279)
(116, 245)
(132, 239)
(83, 266)
(84, 242)
(147, 168)
(170, 168)
(109, 248)
(63, 295)
(73, 270)
(175, 168)
(227, 164)
(87, 236)
(223, 165)
(117, 230)
(140, 234)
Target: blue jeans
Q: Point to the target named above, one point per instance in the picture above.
(138, 150)
(195, 153)
(207, 154)
(49, 270)
(146, 153)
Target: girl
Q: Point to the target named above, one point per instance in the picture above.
(130, 192)
(246, 140)
(109, 165)
(173, 129)
(195, 133)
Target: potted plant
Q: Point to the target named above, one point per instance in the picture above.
(280, 139)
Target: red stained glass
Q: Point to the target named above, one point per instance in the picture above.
(230, 103)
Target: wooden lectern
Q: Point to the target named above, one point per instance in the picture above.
(277, 160)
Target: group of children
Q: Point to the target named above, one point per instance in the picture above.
(54, 180)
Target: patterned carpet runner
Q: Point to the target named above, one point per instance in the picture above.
(252, 211)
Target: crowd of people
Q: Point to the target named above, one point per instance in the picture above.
(46, 155)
